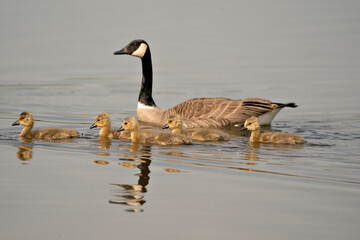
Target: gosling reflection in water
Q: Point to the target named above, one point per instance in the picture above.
(24, 153)
(133, 194)
(251, 153)
(25, 149)
(104, 142)
(255, 149)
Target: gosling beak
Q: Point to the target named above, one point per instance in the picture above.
(122, 51)
(15, 123)
(244, 128)
(93, 126)
(165, 127)
(121, 129)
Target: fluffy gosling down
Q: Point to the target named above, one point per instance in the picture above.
(26, 119)
(103, 121)
(175, 123)
(141, 136)
(253, 125)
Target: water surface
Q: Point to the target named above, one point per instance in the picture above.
(57, 62)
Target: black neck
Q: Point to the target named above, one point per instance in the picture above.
(145, 96)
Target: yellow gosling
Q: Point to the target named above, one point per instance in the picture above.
(103, 121)
(26, 119)
(141, 136)
(175, 123)
(253, 125)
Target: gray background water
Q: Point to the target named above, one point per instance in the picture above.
(56, 61)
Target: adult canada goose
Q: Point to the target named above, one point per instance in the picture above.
(198, 134)
(253, 125)
(104, 122)
(26, 119)
(197, 112)
(147, 136)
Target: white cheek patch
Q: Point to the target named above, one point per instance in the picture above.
(140, 52)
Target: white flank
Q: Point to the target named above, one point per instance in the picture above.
(266, 118)
(140, 52)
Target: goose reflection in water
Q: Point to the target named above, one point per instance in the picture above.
(133, 194)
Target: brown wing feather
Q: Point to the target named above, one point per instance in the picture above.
(221, 112)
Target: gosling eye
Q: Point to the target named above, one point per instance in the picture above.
(22, 118)
(125, 123)
(98, 120)
(170, 121)
(249, 123)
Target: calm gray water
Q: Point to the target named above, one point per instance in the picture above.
(56, 61)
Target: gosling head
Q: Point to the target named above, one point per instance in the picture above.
(251, 124)
(172, 122)
(136, 48)
(24, 119)
(101, 120)
(129, 123)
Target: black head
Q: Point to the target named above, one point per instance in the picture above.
(136, 48)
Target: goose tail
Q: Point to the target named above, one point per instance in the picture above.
(282, 105)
